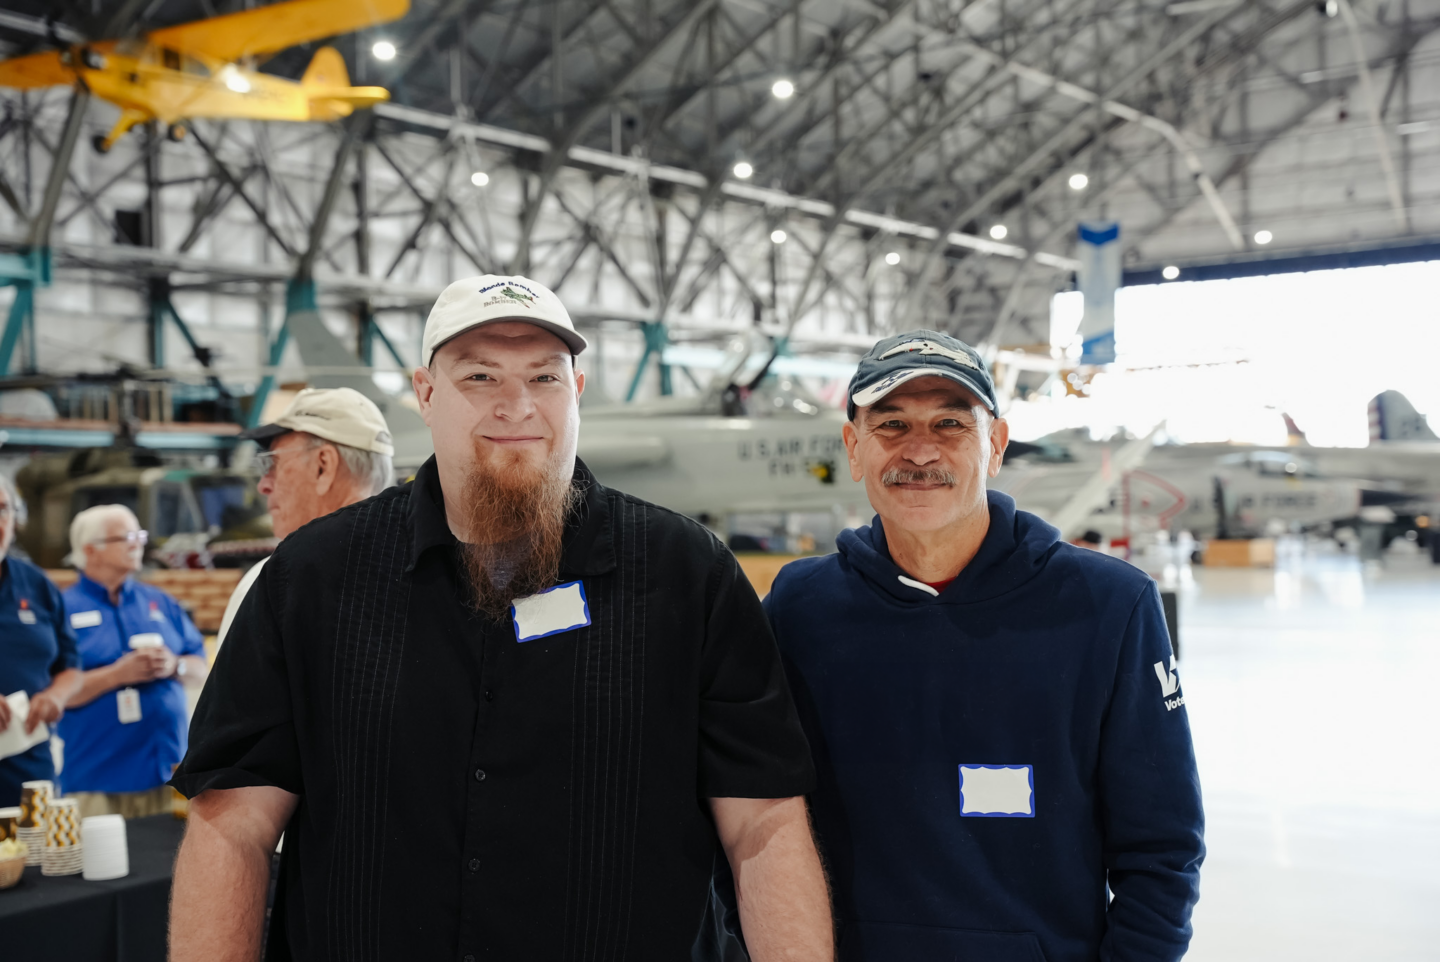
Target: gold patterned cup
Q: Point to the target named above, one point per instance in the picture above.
(33, 798)
(64, 854)
(30, 827)
(9, 822)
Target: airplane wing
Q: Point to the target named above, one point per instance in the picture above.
(275, 27)
(36, 70)
(1071, 517)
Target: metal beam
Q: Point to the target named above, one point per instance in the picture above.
(1024, 166)
(239, 188)
(572, 134)
(39, 233)
(1382, 138)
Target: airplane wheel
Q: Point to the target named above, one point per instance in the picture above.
(100, 144)
(176, 132)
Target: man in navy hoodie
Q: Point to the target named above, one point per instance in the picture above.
(1006, 772)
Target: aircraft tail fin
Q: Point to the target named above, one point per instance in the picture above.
(1293, 434)
(1394, 418)
(327, 69)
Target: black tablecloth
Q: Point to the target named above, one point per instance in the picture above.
(70, 919)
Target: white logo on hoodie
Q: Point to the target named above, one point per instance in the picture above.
(1169, 681)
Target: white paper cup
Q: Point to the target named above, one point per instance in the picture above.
(107, 852)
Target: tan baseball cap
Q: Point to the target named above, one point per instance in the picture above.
(476, 301)
(340, 414)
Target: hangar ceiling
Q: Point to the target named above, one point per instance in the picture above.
(610, 131)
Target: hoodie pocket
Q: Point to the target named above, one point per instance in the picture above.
(897, 942)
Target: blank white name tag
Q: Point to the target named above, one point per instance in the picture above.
(147, 639)
(85, 619)
(997, 791)
(127, 700)
(550, 612)
(27, 617)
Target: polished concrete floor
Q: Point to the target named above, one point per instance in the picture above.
(1311, 691)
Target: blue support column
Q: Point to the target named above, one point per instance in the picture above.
(655, 341)
(158, 310)
(299, 296)
(20, 310)
(25, 272)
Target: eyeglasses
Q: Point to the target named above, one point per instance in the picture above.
(6, 511)
(130, 537)
(265, 460)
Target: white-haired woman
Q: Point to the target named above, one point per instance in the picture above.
(127, 725)
(37, 653)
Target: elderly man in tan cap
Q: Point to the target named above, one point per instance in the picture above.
(330, 448)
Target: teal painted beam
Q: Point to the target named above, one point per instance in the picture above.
(57, 438)
(17, 267)
(299, 296)
(20, 309)
(159, 440)
(655, 340)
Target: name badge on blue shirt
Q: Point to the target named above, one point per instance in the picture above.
(561, 608)
(85, 619)
(997, 791)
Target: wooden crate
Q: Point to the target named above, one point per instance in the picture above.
(1240, 553)
(761, 569)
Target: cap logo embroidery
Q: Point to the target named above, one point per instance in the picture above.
(930, 347)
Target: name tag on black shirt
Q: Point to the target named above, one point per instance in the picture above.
(561, 608)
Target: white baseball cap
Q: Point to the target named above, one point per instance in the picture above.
(476, 301)
(339, 414)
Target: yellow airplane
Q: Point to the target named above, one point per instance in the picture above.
(207, 68)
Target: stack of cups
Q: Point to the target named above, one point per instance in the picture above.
(30, 829)
(9, 822)
(106, 854)
(64, 854)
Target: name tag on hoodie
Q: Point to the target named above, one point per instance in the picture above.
(550, 612)
(997, 791)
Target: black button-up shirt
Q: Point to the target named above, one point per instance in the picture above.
(464, 793)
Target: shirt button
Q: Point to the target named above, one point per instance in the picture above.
(479, 774)
(474, 865)
(469, 958)
(489, 694)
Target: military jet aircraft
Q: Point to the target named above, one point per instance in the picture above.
(1230, 491)
(207, 68)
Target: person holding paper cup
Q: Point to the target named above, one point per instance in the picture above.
(127, 726)
(38, 660)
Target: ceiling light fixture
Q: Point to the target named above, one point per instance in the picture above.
(383, 50)
(1170, 272)
(777, 236)
(782, 89)
(999, 231)
(235, 80)
(1079, 181)
(892, 258)
(479, 178)
(743, 170)
(1263, 237)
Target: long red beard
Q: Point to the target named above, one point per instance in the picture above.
(516, 521)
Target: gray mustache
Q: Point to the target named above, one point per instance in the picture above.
(918, 476)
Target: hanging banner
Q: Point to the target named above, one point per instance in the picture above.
(1099, 278)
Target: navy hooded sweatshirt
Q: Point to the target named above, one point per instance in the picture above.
(991, 757)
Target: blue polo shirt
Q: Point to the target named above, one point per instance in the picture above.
(102, 754)
(36, 644)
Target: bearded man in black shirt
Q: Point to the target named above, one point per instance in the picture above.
(502, 711)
